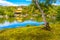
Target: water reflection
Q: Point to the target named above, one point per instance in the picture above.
(11, 19)
(13, 23)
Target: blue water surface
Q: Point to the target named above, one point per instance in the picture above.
(15, 24)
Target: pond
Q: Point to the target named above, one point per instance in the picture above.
(12, 23)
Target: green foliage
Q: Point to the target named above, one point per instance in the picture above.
(4, 10)
(58, 14)
(58, 17)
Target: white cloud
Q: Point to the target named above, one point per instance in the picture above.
(28, 0)
(23, 4)
(6, 3)
(1, 0)
(55, 4)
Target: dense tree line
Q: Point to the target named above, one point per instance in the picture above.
(52, 12)
(7, 10)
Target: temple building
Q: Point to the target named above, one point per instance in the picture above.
(18, 11)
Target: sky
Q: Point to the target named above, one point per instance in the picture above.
(20, 2)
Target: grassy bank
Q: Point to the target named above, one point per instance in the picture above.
(31, 33)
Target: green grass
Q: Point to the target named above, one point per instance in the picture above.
(31, 33)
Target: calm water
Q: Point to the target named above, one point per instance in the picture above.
(12, 23)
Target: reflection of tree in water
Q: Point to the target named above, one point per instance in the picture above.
(2, 20)
(11, 19)
(24, 17)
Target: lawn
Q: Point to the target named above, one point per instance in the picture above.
(31, 33)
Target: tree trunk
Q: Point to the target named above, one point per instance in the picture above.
(43, 15)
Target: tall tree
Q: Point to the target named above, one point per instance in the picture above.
(46, 3)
